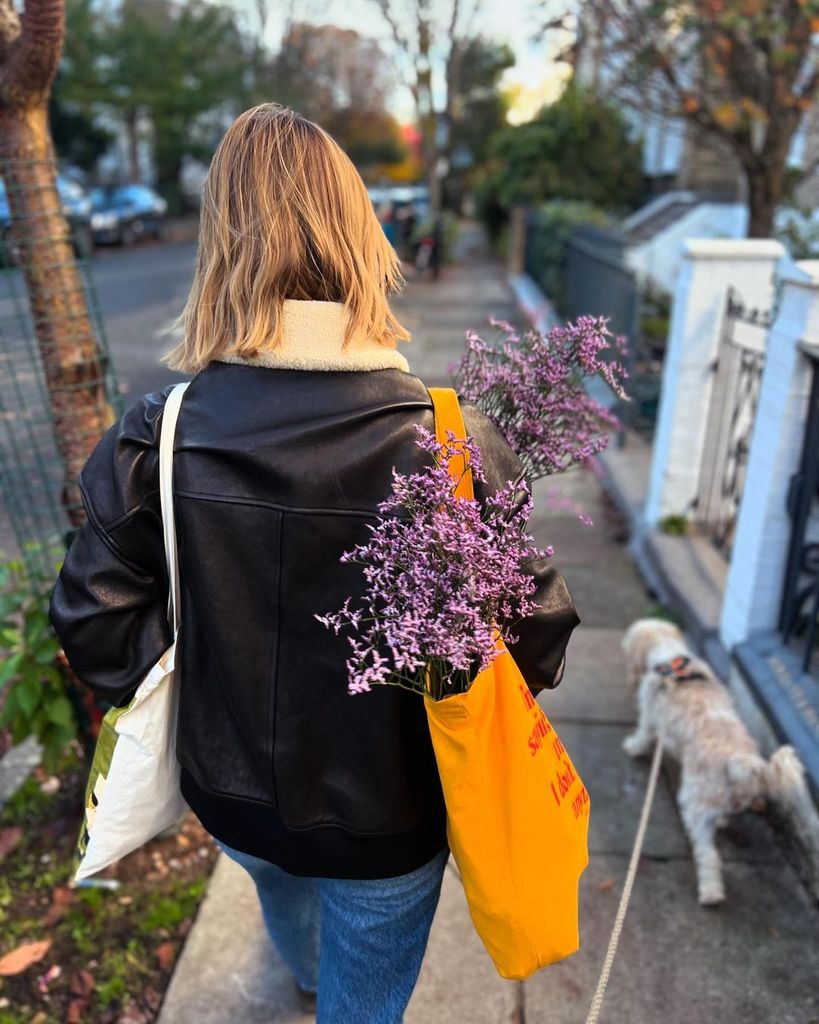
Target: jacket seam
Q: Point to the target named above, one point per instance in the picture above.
(261, 503)
(273, 689)
(144, 502)
(104, 534)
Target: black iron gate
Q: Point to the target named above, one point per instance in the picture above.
(737, 379)
(800, 604)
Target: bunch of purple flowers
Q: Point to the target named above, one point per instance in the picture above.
(446, 578)
(531, 387)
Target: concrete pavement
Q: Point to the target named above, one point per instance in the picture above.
(753, 959)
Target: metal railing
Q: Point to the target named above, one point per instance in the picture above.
(737, 378)
(799, 618)
(61, 322)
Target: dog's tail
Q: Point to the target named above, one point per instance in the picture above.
(784, 774)
(748, 779)
(788, 787)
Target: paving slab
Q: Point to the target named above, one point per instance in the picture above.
(608, 594)
(229, 970)
(576, 485)
(594, 685)
(616, 785)
(752, 960)
(458, 981)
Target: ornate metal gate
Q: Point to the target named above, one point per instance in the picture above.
(800, 604)
(736, 384)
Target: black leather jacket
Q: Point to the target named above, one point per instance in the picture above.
(276, 473)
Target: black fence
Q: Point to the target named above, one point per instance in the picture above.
(799, 618)
(582, 270)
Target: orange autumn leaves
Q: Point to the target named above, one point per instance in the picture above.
(21, 958)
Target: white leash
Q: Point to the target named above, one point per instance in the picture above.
(597, 1000)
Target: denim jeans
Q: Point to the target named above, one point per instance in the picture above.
(360, 943)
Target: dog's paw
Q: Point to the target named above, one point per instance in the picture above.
(634, 745)
(711, 895)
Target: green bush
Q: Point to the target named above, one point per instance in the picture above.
(547, 239)
(579, 148)
(34, 684)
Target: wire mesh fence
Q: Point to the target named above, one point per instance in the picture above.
(57, 386)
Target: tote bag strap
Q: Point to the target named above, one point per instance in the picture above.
(448, 416)
(167, 432)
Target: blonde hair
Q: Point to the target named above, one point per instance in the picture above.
(285, 215)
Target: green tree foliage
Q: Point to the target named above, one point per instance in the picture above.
(477, 111)
(77, 138)
(171, 64)
(577, 148)
(478, 106)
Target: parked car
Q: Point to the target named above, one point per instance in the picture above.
(76, 206)
(125, 213)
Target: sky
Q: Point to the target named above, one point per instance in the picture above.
(535, 79)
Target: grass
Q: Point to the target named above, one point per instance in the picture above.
(108, 937)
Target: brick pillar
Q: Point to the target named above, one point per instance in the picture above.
(709, 268)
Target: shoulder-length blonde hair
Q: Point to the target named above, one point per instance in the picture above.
(285, 215)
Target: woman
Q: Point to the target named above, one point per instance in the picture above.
(299, 410)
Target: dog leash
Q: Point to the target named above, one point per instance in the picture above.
(597, 1000)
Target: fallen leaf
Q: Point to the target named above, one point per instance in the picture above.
(606, 884)
(82, 984)
(165, 954)
(125, 900)
(9, 838)
(76, 1009)
(51, 785)
(39, 1018)
(61, 898)
(23, 956)
(182, 840)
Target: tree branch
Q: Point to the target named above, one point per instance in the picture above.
(32, 58)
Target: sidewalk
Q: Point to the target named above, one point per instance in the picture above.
(754, 959)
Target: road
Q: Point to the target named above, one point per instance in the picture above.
(140, 292)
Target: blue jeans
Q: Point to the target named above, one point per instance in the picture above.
(359, 943)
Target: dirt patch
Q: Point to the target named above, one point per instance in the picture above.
(101, 955)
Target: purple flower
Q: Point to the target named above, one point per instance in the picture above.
(445, 579)
(531, 387)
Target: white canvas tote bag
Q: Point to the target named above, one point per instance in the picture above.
(133, 788)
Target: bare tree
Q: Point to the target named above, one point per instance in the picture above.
(30, 48)
(429, 36)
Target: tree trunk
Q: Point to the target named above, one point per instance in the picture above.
(765, 184)
(67, 343)
(131, 123)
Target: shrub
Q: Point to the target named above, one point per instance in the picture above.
(33, 682)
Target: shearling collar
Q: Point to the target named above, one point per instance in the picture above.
(312, 337)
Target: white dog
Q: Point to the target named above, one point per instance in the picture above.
(722, 768)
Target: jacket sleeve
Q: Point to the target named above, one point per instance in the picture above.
(109, 604)
(540, 652)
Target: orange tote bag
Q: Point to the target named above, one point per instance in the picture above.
(517, 811)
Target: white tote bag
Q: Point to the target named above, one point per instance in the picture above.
(133, 789)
